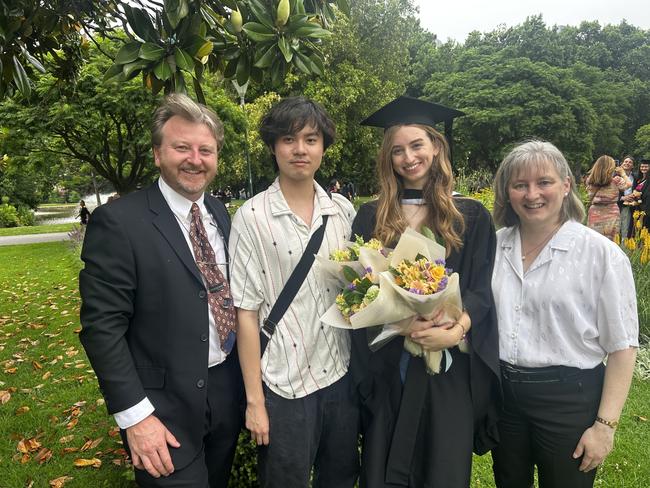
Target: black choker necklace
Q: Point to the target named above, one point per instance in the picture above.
(412, 196)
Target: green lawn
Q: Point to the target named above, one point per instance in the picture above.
(36, 229)
(52, 414)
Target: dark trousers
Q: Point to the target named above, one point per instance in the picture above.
(546, 411)
(223, 421)
(319, 430)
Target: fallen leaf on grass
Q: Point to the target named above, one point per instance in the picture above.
(46, 375)
(83, 463)
(68, 450)
(28, 445)
(66, 438)
(43, 455)
(91, 444)
(114, 432)
(72, 423)
(36, 365)
(640, 418)
(22, 410)
(59, 482)
(5, 396)
(11, 370)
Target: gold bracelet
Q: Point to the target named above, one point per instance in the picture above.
(463, 329)
(612, 424)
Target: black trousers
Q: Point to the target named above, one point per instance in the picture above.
(546, 411)
(223, 421)
(319, 431)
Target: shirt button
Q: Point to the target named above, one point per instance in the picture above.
(202, 294)
(517, 308)
(513, 335)
(200, 383)
(204, 337)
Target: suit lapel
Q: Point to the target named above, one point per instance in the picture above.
(166, 224)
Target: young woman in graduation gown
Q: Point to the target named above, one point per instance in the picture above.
(419, 429)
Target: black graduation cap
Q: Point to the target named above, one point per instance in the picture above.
(409, 110)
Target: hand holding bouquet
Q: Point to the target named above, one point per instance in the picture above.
(416, 282)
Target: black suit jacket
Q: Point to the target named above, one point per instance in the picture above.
(144, 313)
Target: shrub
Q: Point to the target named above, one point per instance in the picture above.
(474, 181)
(244, 467)
(485, 196)
(638, 249)
(25, 215)
(8, 216)
(77, 238)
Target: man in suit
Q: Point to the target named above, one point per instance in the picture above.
(158, 322)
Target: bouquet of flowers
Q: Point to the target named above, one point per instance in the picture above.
(356, 257)
(416, 282)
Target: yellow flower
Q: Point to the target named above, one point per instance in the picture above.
(617, 239)
(630, 243)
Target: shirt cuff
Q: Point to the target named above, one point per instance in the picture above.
(131, 416)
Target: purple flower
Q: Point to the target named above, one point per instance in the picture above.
(443, 283)
(416, 291)
(368, 270)
(448, 271)
(352, 286)
(440, 262)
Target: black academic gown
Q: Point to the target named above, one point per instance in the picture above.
(422, 433)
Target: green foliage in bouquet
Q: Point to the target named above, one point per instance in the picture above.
(358, 294)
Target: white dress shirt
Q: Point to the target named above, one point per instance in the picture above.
(266, 242)
(574, 305)
(180, 207)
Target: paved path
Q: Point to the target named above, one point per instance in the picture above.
(33, 238)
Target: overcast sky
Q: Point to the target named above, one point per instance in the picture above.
(454, 19)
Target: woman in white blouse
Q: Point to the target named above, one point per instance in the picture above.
(566, 302)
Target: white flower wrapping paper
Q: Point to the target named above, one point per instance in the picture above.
(394, 306)
(367, 258)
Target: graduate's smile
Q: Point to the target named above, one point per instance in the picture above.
(412, 153)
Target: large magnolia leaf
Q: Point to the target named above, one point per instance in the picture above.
(258, 32)
(183, 59)
(20, 78)
(128, 53)
(151, 51)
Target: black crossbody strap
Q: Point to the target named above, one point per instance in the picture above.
(292, 285)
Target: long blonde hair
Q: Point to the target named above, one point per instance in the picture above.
(601, 173)
(443, 218)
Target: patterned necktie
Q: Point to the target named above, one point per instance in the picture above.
(219, 298)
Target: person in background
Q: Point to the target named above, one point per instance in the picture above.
(84, 213)
(334, 186)
(604, 182)
(349, 191)
(625, 197)
(158, 323)
(566, 302)
(300, 410)
(419, 429)
(640, 200)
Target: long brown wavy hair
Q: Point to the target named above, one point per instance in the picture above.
(443, 218)
(601, 172)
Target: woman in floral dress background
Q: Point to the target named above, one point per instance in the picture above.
(604, 182)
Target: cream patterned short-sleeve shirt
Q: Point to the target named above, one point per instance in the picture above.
(266, 242)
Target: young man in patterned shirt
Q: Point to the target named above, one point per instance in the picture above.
(299, 407)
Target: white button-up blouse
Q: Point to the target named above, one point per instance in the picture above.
(574, 305)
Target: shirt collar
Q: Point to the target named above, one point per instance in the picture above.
(561, 241)
(178, 204)
(322, 202)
